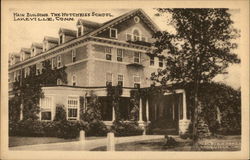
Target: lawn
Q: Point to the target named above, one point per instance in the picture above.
(21, 141)
(223, 143)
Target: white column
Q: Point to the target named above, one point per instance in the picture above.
(140, 111)
(184, 106)
(147, 110)
(113, 113)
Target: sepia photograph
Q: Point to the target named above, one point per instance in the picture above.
(94, 79)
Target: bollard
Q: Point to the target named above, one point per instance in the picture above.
(110, 141)
(82, 136)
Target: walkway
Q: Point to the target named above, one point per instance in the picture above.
(83, 146)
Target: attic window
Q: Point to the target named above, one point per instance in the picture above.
(113, 33)
(136, 19)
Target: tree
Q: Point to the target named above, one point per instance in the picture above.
(201, 48)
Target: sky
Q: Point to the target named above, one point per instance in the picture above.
(23, 33)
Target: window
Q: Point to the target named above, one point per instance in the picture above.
(74, 80)
(61, 39)
(160, 62)
(108, 53)
(59, 82)
(44, 46)
(109, 77)
(15, 77)
(73, 52)
(73, 105)
(59, 61)
(46, 106)
(119, 54)
(136, 34)
(79, 31)
(152, 61)
(137, 57)
(113, 33)
(37, 70)
(144, 39)
(53, 64)
(26, 71)
(120, 80)
(137, 81)
(129, 37)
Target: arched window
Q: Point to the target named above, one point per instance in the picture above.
(136, 34)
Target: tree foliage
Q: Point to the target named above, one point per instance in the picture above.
(201, 48)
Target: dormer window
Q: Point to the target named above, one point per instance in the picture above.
(113, 33)
(73, 52)
(59, 61)
(80, 31)
(44, 46)
(61, 39)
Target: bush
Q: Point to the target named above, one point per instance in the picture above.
(60, 113)
(126, 129)
(97, 128)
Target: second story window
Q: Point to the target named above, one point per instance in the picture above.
(108, 53)
(152, 61)
(73, 52)
(137, 57)
(109, 77)
(53, 63)
(120, 79)
(59, 61)
(113, 33)
(137, 81)
(160, 62)
(74, 80)
(119, 54)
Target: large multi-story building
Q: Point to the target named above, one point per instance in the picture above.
(97, 54)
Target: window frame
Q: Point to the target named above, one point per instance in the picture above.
(59, 61)
(127, 37)
(151, 59)
(73, 54)
(122, 79)
(137, 82)
(110, 33)
(46, 109)
(74, 80)
(137, 57)
(108, 53)
(81, 29)
(122, 52)
(77, 107)
(160, 60)
(61, 38)
(53, 62)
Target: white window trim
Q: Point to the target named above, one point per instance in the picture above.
(117, 54)
(110, 29)
(139, 57)
(47, 109)
(119, 74)
(112, 76)
(108, 53)
(59, 61)
(73, 54)
(140, 34)
(73, 80)
(78, 106)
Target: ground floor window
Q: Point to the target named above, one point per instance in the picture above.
(73, 107)
(46, 106)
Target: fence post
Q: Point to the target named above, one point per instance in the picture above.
(82, 136)
(110, 141)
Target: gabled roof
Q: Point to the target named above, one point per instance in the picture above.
(51, 39)
(37, 45)
(68, 32)
(89, 24)
(26, 50)
(124, 17)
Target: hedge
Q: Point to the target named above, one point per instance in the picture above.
(121, 128)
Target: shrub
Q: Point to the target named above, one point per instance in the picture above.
(97, 128)
(126, 129)
(70, 129)
(60, 113)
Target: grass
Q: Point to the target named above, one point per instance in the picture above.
(223, 143)
(21, 141)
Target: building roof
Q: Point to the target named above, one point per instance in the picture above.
(17, 55)
(68, 32)
(26, 50)
(89, 24)
(51, 39)
(37, 45)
